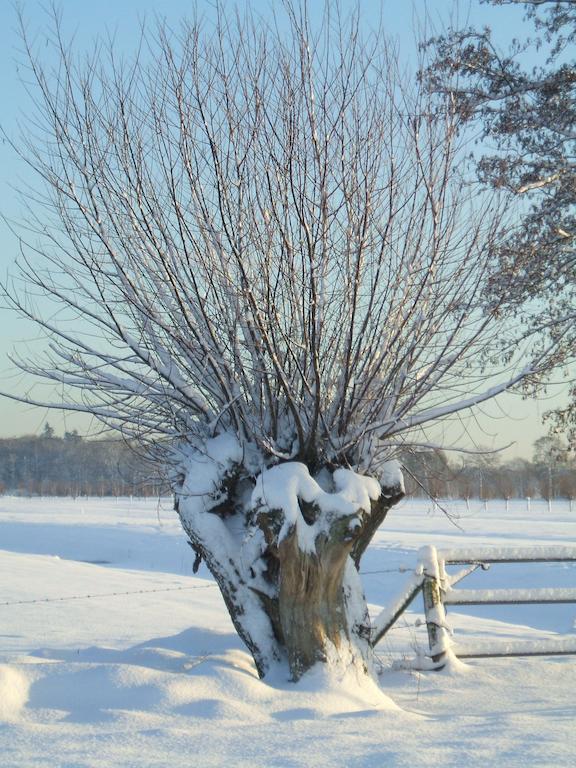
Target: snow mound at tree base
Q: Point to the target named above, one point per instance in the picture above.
(215, 686)
(13, 693)
(328, 691)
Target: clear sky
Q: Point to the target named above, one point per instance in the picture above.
(512, 419)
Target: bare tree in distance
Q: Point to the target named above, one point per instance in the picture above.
(259, 259)
(526, 112)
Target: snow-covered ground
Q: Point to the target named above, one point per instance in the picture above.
(113, 654)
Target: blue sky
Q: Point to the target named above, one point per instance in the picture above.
(513, 418)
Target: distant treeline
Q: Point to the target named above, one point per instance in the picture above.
(550, 475)
(48, 465)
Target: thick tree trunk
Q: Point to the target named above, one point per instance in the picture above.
(311, 600)
(320, 613)
(287, 561)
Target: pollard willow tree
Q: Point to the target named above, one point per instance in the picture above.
(257, 259)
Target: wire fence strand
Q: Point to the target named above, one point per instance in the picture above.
(103, 594)
(65, 598)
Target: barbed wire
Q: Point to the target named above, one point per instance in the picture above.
(103, 594)
(66, 598)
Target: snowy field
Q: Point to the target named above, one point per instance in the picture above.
(113, 654)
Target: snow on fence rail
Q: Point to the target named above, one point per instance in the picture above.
(437, 587)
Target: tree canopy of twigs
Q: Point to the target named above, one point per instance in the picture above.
(242, 228)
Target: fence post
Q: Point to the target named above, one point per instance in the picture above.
(435, 614)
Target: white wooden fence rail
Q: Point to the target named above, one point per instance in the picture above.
(438, 591)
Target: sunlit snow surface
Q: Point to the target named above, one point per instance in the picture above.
(157, 677)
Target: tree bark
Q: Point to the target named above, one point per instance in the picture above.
(312, 608)
(318, 615)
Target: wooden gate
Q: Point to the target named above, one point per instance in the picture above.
(438, 591)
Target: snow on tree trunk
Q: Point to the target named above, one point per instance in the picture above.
(284, 548)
